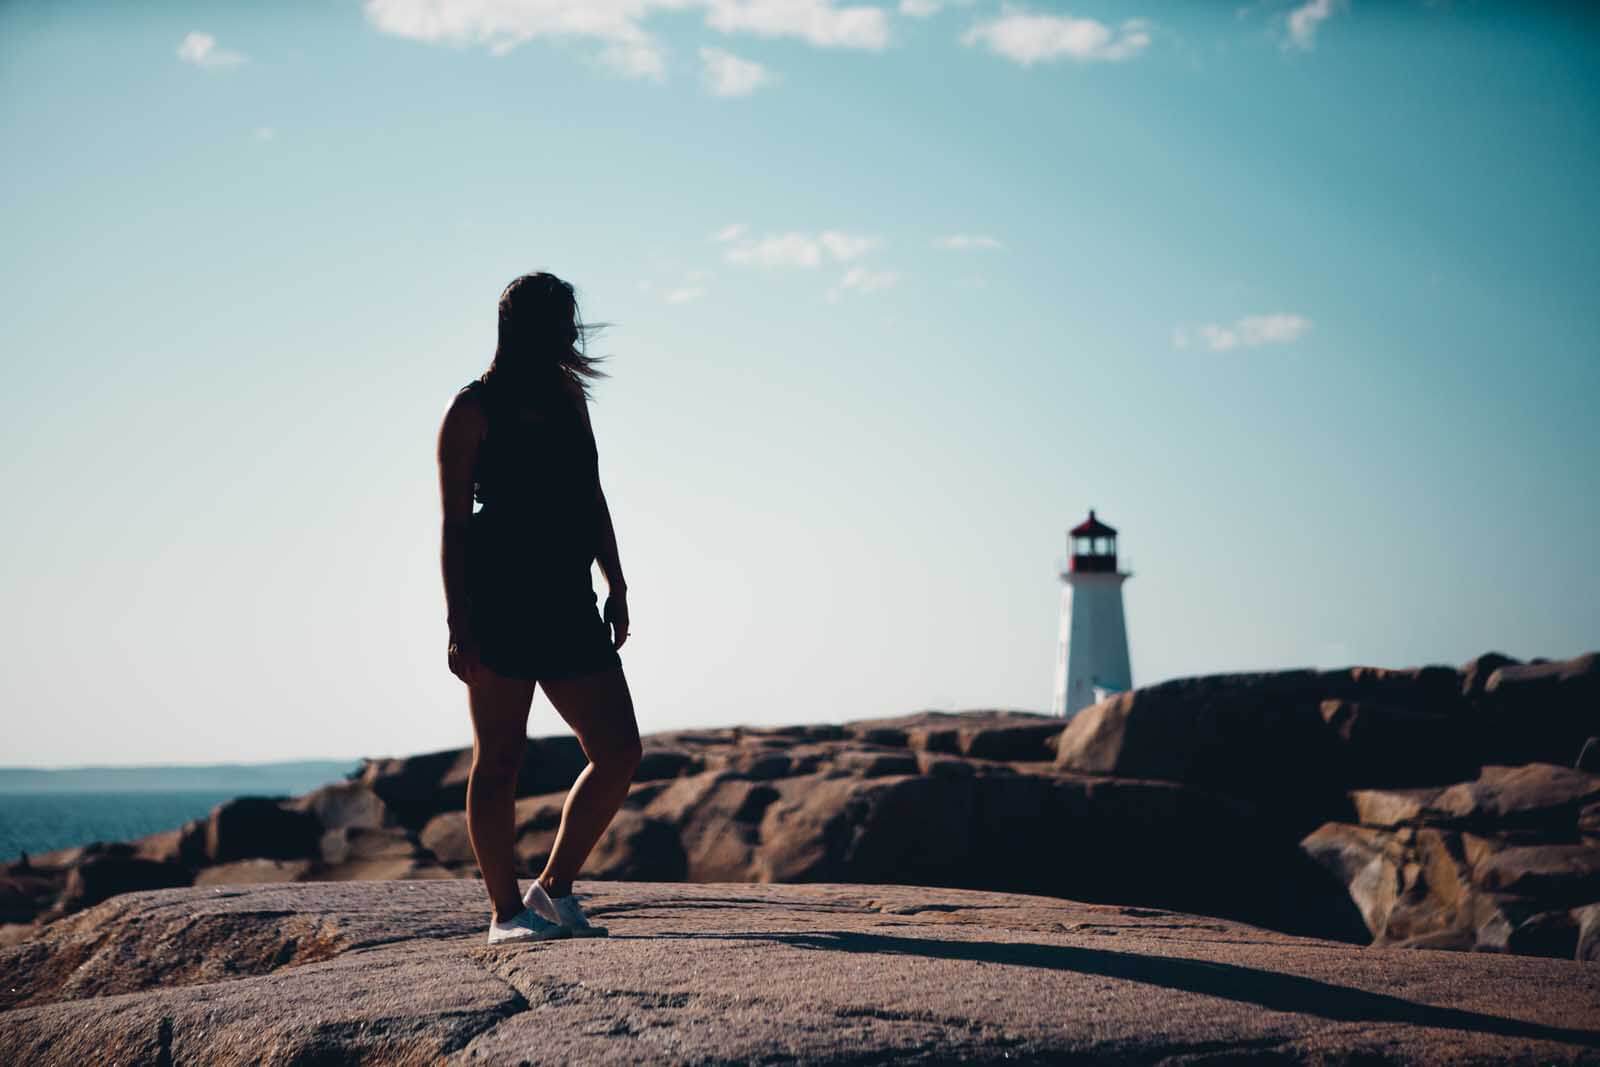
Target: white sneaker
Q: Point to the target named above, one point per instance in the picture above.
(525, 925)
(563, 910)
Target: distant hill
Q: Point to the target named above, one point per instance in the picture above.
(234, 778)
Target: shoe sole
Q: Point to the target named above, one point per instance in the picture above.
(506, 941)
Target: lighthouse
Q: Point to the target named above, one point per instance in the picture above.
(1092, 655)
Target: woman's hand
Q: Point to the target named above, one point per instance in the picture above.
(463, 658)
(616, 614)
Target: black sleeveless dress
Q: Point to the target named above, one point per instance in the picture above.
(531, 602)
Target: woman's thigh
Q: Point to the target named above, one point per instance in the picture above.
(599, 709)
(499, 707)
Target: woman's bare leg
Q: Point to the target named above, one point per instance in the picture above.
(499, 732)
(599, 709)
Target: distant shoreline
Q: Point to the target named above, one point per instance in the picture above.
(288, 776)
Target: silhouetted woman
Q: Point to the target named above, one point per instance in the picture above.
(520, 603)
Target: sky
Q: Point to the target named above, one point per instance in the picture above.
(1300, 297)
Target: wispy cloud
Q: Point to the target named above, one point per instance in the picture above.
(265, 133)
(728, 233)
(818, 22)
(920, 9)
(1027, 38)
(201, 50)
(1251, 331)
(964, 241)
(725, 74)
(685, 294)
(862, 280)
(1307, 18)
(619, 25)
(798, 249)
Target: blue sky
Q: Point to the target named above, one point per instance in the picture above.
(1300, 296)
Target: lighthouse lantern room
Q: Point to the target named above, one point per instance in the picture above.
(1092, 654)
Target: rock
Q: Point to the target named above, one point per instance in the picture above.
(1589, 756)
(657, 763)
(252, 872)
(185, 846)
(1544, 711)
(1587, 919)
(398, 973)
(1538, 794)
(1552, 873)
(101, 875)
(416, 788)
(1475, 674)
(1390, 745)
(1393, 807)
(344, 805)
(1366, 862)
(250, 827)
(635, 846)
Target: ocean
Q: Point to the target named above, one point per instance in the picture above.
(43, 810)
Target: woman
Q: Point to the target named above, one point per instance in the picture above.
(520, 604)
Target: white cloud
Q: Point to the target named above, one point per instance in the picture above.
(862, 280)
(725, 74)
(1305, 19)
(1028, 39)
(818, 22)
(201, 50)
(619, 25)
(962, 241)
(636, 59)
(1251, 331)
(920, 9)
(265, 133)
(685, 294)
(798, 249)
(846, 246)
(729, 233)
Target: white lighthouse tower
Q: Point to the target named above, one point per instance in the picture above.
(1092, 656)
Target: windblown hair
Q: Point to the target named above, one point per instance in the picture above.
(542, 340)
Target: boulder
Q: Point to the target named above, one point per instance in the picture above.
(416, 788)
(1543, 712)
(1587, 919)
(344, 805)
(637, 847)
(266, 827)
(1536, 795)
(101, 875)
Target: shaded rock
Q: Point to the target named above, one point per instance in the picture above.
(658, 763)
(249, 827)
(1544, 711)
(353, 843)
(252, 872)
(1387, 744)
(1024, 738)
(416, 788)
(636, 846)
(1366, 863)
(185, 846)
(1589, 757)
(1537, 794)
(1552, 873)
(1475, 674)
(102, 875)
(876, 763)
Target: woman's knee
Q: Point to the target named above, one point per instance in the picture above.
(620, 757)
(497, 764)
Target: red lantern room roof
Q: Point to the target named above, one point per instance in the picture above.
(1092, 527)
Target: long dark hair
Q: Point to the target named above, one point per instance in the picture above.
(542, 340)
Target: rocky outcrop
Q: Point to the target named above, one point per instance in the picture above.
(392, 973)
(1503, 863)
(1362, 805)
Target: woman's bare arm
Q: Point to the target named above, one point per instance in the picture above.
(460, 434)
(616, 609)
